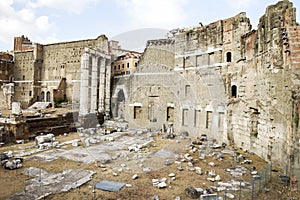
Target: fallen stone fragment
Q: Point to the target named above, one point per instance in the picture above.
(171, 175)
(192, 192)
(110, 186)
(211, 179)
(155, 197)
(216, 146)
(229, 195)
(198, 170)
(167, 162)
(14, 164)
(212, 164)
(179, 168)
(212, 173)
(162, 185)
(146, 169)
(135, 176)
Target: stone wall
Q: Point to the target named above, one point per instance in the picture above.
(262, 114)
(235, 84)
(41, 70)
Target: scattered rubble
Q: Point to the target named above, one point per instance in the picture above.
(159, 183)
(238, 171)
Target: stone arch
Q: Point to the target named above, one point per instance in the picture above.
(48, 97)
(42, 96)
(228, 56)
(233, 91)
(120, 104)
(117, 90)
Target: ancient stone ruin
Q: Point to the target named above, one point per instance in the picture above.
(224, 80)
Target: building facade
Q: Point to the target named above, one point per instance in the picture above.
(235, 84)
(238, 85)
(125, 64)
(6, 80)
(77, 72)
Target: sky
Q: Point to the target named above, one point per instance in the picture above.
(51, 21)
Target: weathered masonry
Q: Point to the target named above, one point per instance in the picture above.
(78, 72)
(226, 80)
(238, 85)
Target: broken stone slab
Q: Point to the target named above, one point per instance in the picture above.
(172, 175)
(80, 181)
(164, 153)
(227, 151)
(50, 183)
(35, 172)
(111, 186)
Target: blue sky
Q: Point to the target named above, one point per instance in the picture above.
(49, 21)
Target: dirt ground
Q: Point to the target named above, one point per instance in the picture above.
(12, 181)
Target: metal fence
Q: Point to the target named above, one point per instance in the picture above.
(248, 189)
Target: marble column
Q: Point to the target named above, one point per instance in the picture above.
(84, 84)
(107, 87)
(94, 83)
(101, 107)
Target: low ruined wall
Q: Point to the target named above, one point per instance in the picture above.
(31, 127)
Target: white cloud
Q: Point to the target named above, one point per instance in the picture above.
(42, 23)
(20, 22)
(154, 13)
(241, 4)
(72, 6)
